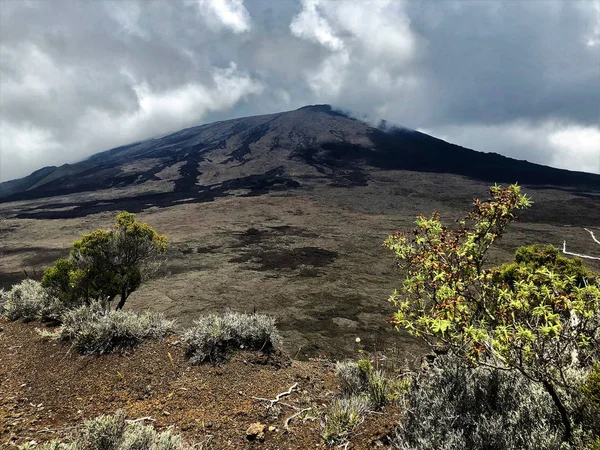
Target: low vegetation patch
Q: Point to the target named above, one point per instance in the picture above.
(113, 432)
(342, 417)
(452, 407)
(361, 378)
(29, 301)
(214, 337)
(94, 330)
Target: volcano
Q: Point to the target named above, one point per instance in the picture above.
(275, 152)
(284, 214)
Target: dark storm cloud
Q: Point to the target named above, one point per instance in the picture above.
(520, 78)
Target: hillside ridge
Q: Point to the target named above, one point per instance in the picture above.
(278, 151)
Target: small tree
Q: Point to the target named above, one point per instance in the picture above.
(106, 264)
(539, 315)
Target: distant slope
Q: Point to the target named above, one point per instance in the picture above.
(25, 183)
(278, 151)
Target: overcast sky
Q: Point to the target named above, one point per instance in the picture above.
(521, 78)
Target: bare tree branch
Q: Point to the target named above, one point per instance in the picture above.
(593, 237)
(564, 248)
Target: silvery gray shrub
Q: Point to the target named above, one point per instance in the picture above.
(453, 407)
(343, 416)
(112, 432)
(28, 301)
(214, 337)
(94, 330)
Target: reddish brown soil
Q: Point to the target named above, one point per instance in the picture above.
(46, 389)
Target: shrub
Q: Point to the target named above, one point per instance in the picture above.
(343, 415)
(353, 380)
(93, 330)
(359, 378)
(591, 387)
(112, 432)
(102, 433)
(107, 264)
(214, 337)
(454, 407)
(378, 388)
(28, 301)
(539, 316)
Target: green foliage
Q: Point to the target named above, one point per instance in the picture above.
(28, 301)
(214, 337)
(106, 264)
(364, 366)
(93, 330)
(539, 315)
(360, 378)
(591, 387)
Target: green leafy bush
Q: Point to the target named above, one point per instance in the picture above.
(539, 316)
(454, 407)
(112, 432)
(214, 337)
(93, 330)
(106, 264)
(29, 301)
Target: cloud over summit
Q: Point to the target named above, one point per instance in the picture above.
(518, 78)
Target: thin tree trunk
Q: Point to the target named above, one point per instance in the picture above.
(561, 408)
(123, 299)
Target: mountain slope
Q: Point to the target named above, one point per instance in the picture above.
(277, 152)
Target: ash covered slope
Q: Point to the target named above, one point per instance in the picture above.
(253, 155)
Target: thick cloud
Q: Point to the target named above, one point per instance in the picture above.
(518, 78)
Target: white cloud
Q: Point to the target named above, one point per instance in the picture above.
(556, 144)
(495, 75)
(311, 25)
(20, 145)
(370, 44)
(231, 14)
(96, 129)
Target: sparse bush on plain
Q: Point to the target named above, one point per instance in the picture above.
(93, 330)
(28, 301)
(112, 432)
(214, 337)
(343, 416)
(106, 264)
(454, 407)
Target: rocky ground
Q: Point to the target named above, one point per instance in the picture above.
(46, 389)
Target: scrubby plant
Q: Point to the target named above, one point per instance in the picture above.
(106, 264)
(103, 432)
(112, 432)
(453, 406)
(93, 330)
(353, 380)
(28, 301)
(342, 417)
(591, 387)
(539, 316)
(214, 337)
(378, 388)
(359, 378)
